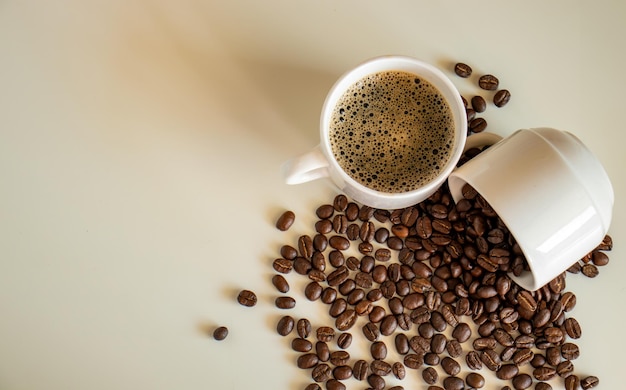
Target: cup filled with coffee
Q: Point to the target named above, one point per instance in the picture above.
(550, 191)
(391, 132)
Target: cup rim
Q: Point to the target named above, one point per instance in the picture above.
(434, 76)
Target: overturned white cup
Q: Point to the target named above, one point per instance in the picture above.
(321, 163)
(551, 192)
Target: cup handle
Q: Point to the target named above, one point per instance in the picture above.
(307, 167)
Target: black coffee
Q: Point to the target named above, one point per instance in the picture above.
(392, 131)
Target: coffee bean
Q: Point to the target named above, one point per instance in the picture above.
(301, 345)
(376, 382)
(568, 300)
(589, 382)
(491, 359)
(247, 298)
(313, 292)
(473, 360)
(285, 325)
(430, 375)
(352, 211)
(220, 333)
(280, 283)
(501, 97)
(479, 104)
(570, 351)
(285, 220)
(453, 383)
(398, 370)
(370, 331)
(285, 302)
(307, 360)
(572, 382)
(334, 384)
(322, 372)
(522, 381)
(313, 386)
(360, 370)
(450, 366)
(388, 325)
(338, 276)
(380, 367)
(438, 343)
(565, 368)
(572, 327)
(475, 380)
(590, 270)
(344, 340)
(378, 349)
(322, 350)
(543, 386)
(339, 242)
(488, 82)
(346, 320)
(413, 361)
(484, 343)
(462, 70)
(507, 371)
(342, 372)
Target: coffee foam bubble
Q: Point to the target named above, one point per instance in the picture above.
(392, 132)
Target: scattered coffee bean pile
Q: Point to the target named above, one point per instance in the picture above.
(434, 279)
(478, 104)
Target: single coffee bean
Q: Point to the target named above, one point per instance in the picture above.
(344, 340)
(526, 300)
(280, 283)
(325, 333)
(377, 314)
(483, 343)
(488, 82)
(473, 360)
(431, 359)
(453, 383)
(320, 243)
(346, 320)
(543, 386)
(307, 360)
(285, 325)
(305, 246)
(342, 372)
(572, 382)
(352, 211)
(339, 242)
(454, 348)
(430, 375)
(572, 327)
(413, 361)
(398, 370)
(589, 382)
(338, 276)
(565, 368)
(544, 373)
(388, 325)
(322, 350)
(360, 370)
(376, 382)
(303, 327)
(523, 356)
(302, 265)
(477, 125)
(334, 384)
(247, 298)
(285, 302)
(281, 265)
(568, 300)
(491, 359)
(288, 252)
(522, 382)
(401, 342)
(479, 104)
(301, 345)
(313, 291)
(475, 380)
(570, 351)
(553, 335)
(590, 270)
(507, 371)
(322, 372)
(370, 331)
(313, 386)
(285, 220)
(220, 333)
(462, 70)
(501, 97)
(462, 332)
(339, 358)
(450, 366)
(378, 350)
(380, 367)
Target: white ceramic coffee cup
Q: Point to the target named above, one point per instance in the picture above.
(320, 162)
(550, 191)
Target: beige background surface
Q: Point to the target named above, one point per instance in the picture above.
(140, 147)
